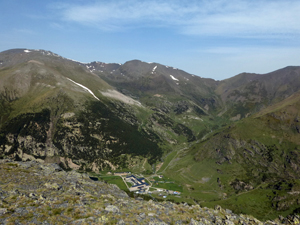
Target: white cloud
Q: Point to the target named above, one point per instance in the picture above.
(114, 15)
(248, 19)
(213, 18)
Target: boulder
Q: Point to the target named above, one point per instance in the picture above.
(112, 208)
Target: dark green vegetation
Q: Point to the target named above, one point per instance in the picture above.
(233, 142)
(98, 132)
(114, 180)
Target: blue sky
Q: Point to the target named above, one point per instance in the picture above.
(210, 38)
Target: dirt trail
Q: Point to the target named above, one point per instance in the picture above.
(143, 166)
(174, 159)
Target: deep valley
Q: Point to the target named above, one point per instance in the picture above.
(234, 143)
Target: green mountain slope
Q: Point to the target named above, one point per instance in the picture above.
(51, 106)
(172, 93)
(233, 142)
(235, 158)
(251, 166)
(246, 93)
(143, 79)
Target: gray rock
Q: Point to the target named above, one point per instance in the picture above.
(142, 215)
(228, 222)
(3, 221)
(3, 211)
(112, 208)
(218, 220)
(194, 222)
(53, 186)
(217, 207)
(228, 211)
(204, 221)
(79, 222)
(33, 196)
(157, 223)
(121, 222)
(179, 222)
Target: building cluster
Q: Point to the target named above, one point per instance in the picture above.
(138, 184)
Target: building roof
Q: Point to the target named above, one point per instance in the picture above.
(143, 184)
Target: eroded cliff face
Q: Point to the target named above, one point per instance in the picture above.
(94, 138)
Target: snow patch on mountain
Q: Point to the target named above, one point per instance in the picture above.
(173, 78)
(119, 96)
(27, 51)
(90, 68)
(74, 60)
(153, 70)
(80, 85)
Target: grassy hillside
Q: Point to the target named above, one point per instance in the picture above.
(246, 93)
(234, 142)
(54, 106)
(250, 166)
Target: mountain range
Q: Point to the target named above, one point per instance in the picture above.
(233, 142)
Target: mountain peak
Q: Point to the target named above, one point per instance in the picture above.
(206, 137)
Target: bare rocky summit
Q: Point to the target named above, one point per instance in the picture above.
(35, 193)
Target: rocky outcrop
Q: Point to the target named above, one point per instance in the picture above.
(93, 139)
(35, 193)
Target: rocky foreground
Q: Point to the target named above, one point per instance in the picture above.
(34, 193)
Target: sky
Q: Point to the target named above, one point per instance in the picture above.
(210, 38)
